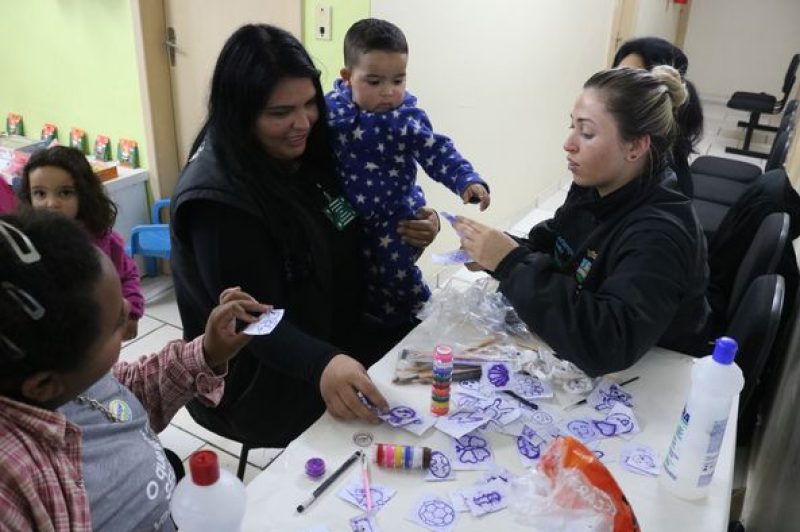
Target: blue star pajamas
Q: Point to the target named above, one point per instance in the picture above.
(377, 157)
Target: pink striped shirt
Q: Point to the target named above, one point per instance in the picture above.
(41, 486)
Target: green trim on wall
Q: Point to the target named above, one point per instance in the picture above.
(327, 55)
(72, 63)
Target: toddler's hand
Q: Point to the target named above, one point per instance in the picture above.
(476, 193)
(221, 341)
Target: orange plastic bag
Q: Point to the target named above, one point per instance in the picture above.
(568, 454)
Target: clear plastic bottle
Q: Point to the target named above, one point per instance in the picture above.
(208, 498)
(692, 456)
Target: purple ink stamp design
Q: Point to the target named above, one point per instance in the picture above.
(440, 465)
(437, 513)
(498, 375)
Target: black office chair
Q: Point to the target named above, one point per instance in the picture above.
(761, 258)
(754, 327)
(742, 171)
(759, 103)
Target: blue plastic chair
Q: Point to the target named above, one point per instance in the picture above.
(151, 241)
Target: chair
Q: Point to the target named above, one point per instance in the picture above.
(758, 103)
(151, 241)
(754, 327)
(761, 258)
(741, 171)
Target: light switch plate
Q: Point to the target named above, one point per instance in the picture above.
(322, 28)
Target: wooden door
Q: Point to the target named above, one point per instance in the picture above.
(622, 26)
(196, 31)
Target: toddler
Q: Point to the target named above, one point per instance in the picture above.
(379, 136)
(61, 179)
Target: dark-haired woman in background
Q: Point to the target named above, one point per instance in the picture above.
(647, 52)
(258, 206)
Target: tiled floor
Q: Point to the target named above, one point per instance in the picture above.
(162, 323)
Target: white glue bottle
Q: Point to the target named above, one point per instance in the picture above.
(208, 498)
(692, 456)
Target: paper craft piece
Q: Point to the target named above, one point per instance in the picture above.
(459, 504)
(600, 453)
(433, 513)
(530, 445)
(583, 429)
(608, 393)
(531, 387)
(364, 523)
(540, 418)
(497, 376)
(355, 494)
(470, 387)
(500, 411)
(407, 418)
(461, 422)
(482, 500)
(624, 422)
(462, 401)
(496, 473)
(457, 256)
(266, 323)
(449, 217)
(640, 459)
(440, 468)
(471, 452)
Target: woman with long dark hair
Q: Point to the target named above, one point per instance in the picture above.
(258, 206)
(647, 52)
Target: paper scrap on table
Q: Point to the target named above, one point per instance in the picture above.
(600, 453)
(434, 513)
(441, 467)
(531, 445)
(402, 416)
(494, 474)
(640, 459)
(485, 499)
(364, 523)
(532, 387)
(459, 504)
(471, 452)
(606, 394)
(542, 417)
(354, 493)
(470, 387)
(583, 428)
(473, 412)
(265, 324)
(496, 377)
(456, 256)
(620, 421)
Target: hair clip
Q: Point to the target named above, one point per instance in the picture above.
(27, 302)
(28, 257)
(8, 346)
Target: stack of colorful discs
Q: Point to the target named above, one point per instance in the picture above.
(442, 377)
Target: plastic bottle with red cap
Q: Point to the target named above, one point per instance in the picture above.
(692, 456)
(208, 498)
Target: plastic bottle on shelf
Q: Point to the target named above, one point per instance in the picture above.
(208, 498)
(692, 456)
(442, 378)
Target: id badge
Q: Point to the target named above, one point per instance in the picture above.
(340, 212)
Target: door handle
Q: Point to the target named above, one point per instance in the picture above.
(171, 44)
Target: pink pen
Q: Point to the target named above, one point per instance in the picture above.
(365, 479)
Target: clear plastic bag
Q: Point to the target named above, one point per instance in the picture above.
(571, 490)
(478, 322)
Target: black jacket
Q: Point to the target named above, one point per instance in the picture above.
(608, 278)
(222, 237)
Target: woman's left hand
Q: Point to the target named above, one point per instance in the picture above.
(487, 246)
(221, 341)
(420, 232)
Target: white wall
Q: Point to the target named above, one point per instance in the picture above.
(500, 78)
(657, 18)
(741, 45)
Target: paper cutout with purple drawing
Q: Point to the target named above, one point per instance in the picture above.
(364, 523)
(496, 377)
(353, 492)
(433, 513)
(583, 429)
(456, 256)
(265, 324)
(440, 468)
(531, 387)
(485, 499)
(606, 394)
(471, 451)
(640, 459)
